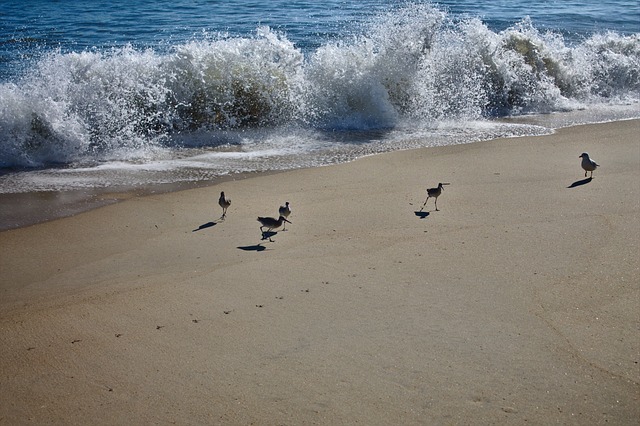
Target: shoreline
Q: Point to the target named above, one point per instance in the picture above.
(516, 302)
(18, 210)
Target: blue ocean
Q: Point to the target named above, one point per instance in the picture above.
(106, 94)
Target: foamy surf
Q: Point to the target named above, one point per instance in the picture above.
(412, 77)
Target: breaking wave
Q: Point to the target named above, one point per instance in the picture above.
(414, 66)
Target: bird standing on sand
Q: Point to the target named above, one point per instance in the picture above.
(434, 193)
(271, 223)
(224, 203)
(588, 164)
(285, 211)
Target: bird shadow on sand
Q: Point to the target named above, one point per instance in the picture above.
(205, 226)
(580, 182)
(421, 214)
(256, 247)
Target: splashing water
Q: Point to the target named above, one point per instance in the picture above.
(413, 76)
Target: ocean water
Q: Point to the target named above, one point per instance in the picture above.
(105, 94)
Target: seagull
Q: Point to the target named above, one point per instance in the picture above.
(285, 211)
(434, 193)
(588, 164)
(224, 203)
(271, 223)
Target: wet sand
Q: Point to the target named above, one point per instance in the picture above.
(517, 302)
(18, 210)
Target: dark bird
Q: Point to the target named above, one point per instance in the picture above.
(434, 193)
(271, 223)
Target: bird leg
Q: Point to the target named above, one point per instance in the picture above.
(266, 233)
(425, 203)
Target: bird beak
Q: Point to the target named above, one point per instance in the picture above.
(286, 220)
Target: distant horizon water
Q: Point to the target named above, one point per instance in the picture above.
(97, 94)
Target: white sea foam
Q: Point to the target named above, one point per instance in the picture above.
(415, 76)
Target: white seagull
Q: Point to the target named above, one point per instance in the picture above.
(224, 203)
(588, 164)
(285, 211)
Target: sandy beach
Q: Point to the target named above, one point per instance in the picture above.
(518, 302)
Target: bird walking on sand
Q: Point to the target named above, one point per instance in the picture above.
(285, 211)
(434, 193)
(224, 202)
(588, 164)
(271, 223)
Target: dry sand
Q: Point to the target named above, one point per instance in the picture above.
(516, 303)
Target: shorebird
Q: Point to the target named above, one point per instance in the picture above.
(588, 164)
(434, 193)
(224, 203)
(271, 223)
(285, 211)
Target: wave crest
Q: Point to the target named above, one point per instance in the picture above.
(413, 63)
